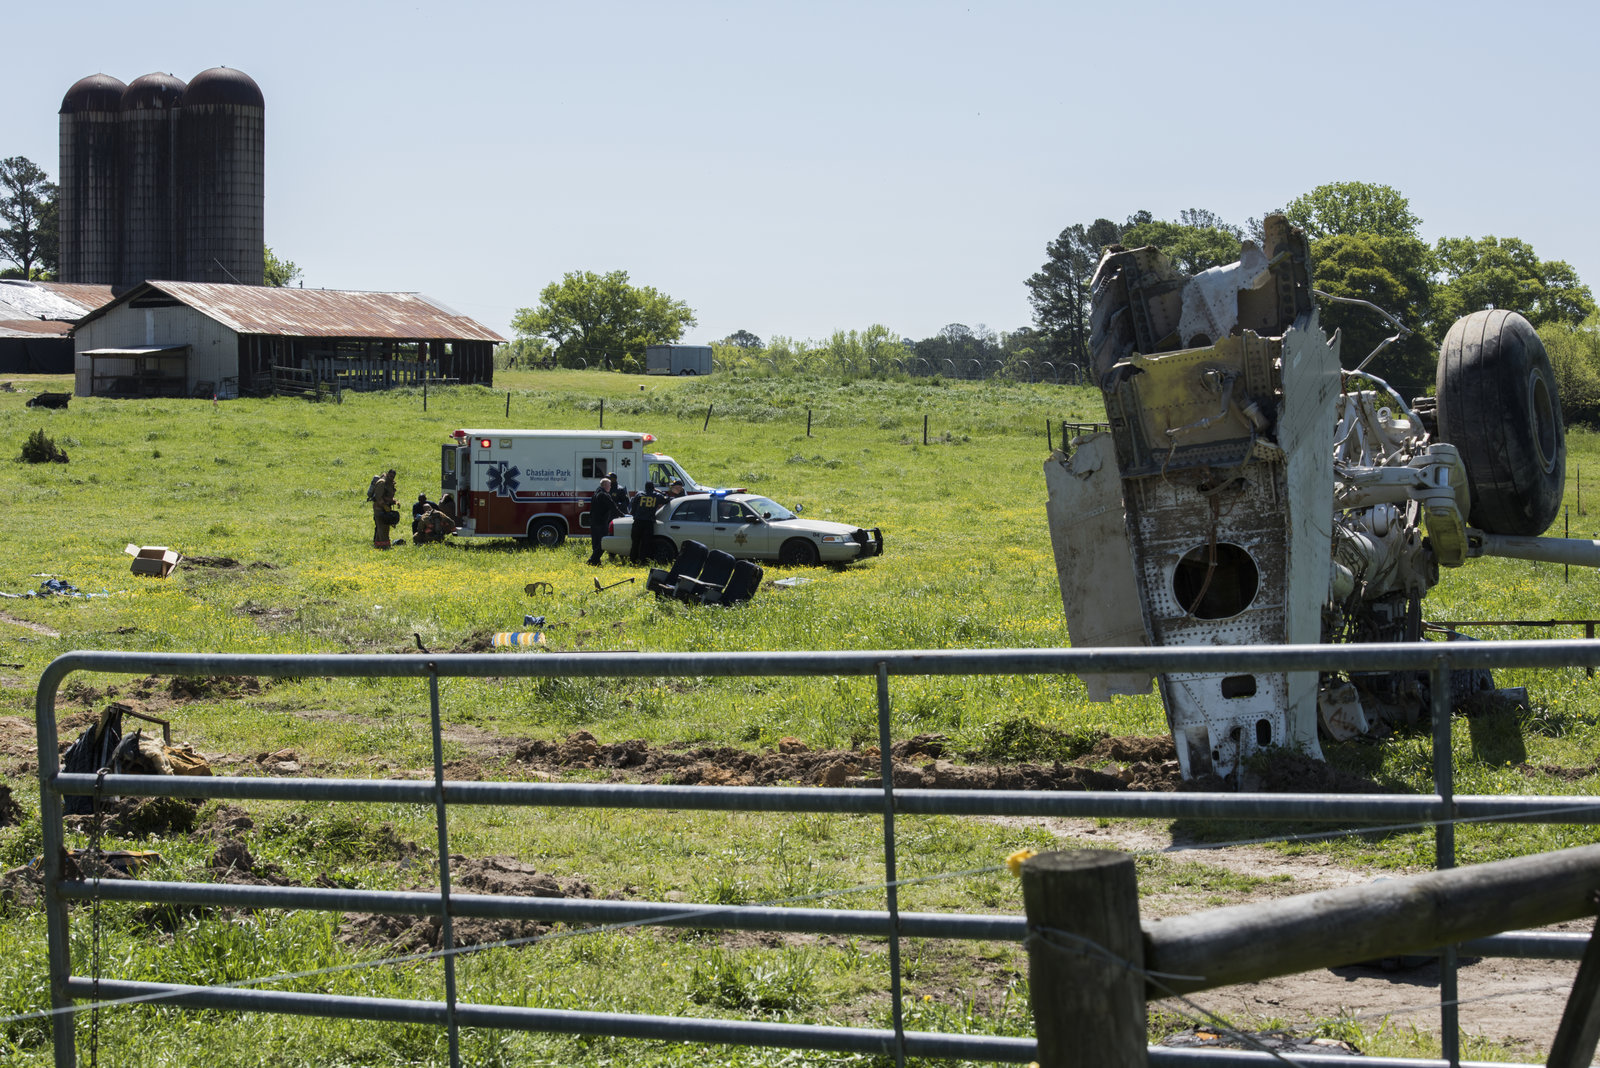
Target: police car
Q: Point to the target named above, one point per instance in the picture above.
(750, 527)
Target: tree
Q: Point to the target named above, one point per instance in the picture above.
(742, 339)
(1492, 272)
(276, 272)
(1353, 208)
(603, 320)
(28, 210)
(1575, 359)
(1395, 273)
(1191, 247)
(1059, 290)
(1364, 246)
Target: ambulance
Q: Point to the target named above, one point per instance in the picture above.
(536, 484)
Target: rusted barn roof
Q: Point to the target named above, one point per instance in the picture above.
(297, 312)
(60, 301)
(34, 328)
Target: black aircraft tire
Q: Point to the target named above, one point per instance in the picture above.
(1498, 405)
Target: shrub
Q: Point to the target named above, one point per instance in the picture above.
(41, 449)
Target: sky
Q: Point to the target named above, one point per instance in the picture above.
(797, 169)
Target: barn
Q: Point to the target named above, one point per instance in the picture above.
(36, 324)
(205, 339)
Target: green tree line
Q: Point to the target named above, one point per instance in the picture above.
(1365, 245)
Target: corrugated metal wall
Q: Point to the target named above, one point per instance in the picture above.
(213, 348)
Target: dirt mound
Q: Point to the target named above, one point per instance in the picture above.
(479, 641)
(227, 563)
(193, 688)
(11, 813)
(486, 875)
(225, 822)
(1123, 763)
(234, 863)
(1286, 771)
(140, 817)
(1556, 771)
(18, 739)
(918, 763)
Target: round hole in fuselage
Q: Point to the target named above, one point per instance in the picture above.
(1233, 580)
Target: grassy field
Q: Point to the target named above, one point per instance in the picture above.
(277, 486)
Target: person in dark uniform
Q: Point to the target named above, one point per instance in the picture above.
(644, 523)
(602, 509)
(418, 510)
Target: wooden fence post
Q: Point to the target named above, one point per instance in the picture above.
(808, 422)
(924, 429)
(1085, 959)
(1579, 1032)
(508, 404)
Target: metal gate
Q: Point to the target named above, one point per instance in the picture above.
(67, 988)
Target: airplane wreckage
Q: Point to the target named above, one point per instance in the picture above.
(1247, 490)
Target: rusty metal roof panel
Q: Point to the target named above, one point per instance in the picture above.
(49, 300)
(86, 295)
(293, 312)
(35, 328)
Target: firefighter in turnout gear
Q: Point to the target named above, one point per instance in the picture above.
(384, 515)
(433, 525)
(644, 523)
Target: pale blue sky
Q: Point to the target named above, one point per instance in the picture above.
(796, 169)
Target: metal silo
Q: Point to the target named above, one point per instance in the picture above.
(150, 108)
(221, 178)
(90, 198)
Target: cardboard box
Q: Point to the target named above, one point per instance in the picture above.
(157, 560)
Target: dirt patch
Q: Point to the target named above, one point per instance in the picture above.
(188, 688)
(226, 822)
(1517, 1002)
(479, 641)
(1126, 763)
(266, 616)
(18, 738)
(1557, 772)
(504, 876)
(227, 563)
(28, 624)
(11, 813)
(140, 817)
